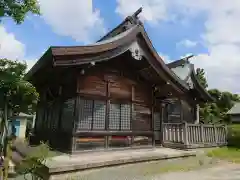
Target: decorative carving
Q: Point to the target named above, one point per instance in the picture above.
(189, 82)
(136, 51)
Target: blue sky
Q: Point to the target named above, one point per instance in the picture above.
(175, 28)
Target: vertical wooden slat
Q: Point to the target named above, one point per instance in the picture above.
(202, 134)
(195, 134)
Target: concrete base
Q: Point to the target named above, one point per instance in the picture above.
(65, 165)
(192, 146)
(61, 167)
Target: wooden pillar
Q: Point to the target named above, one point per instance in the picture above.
(152, 116)
(197, 108)
(76, 114)
(202, 134)
(215, 135)
(107, 112)
(185, 134)
(181, 110)
(161, 122)
(132, 111)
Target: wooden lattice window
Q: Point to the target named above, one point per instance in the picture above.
(85, 116)
(125, 116)
(157, 121)
(119, 116)
(91, 115)
(114, 116)
(99, 112)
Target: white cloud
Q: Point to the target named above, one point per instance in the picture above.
(164, 57)
(30, 62)
(77, 20)
(13, 49)
(153, 10)
(221, 36)
(10, 47)
(222, 39)
(187, 43)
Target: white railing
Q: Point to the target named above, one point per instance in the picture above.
(195, 135)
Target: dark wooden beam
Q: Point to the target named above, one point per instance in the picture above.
(112, 133)
(144, 69)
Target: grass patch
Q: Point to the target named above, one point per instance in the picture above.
(231, 154)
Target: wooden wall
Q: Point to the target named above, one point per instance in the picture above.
(56, 114)
(84, 107)
(113, 88)
(179, 110)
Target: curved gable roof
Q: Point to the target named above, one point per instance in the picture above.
(117, 44)
(109, 47)
(187, 73)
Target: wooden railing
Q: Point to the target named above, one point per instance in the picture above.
(194, 135)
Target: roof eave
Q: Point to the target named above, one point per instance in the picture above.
(198, 86)
(39, 64)
(168, 72)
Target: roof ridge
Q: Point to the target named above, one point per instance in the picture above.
(125, 25)
(180, 62)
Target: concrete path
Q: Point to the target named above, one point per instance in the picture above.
(220, 172)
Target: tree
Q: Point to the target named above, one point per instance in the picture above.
(17, 9)
(20, 95)
(215, 112)
(16, 95)
(201, 77)
(225, 101)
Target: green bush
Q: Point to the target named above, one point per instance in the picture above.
(34, 161)
(234, 135)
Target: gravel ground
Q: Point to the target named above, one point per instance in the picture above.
(142, 171)
(220, 172)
